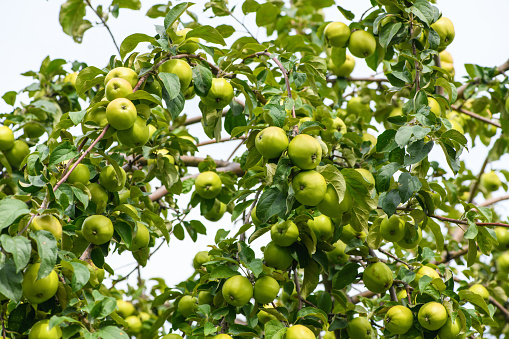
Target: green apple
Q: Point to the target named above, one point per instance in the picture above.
(410, 233)
(309, 187)
(330, 203)
(347, 203)
(329, 335)
(362, 44)
(359, 109)
(49, 223)
(200, 258)
(81, 174)
(377, 277)
(192, 43)
(17, 153)
(299, 332)
(399, 319)
(135, 136)
(366, 175)
(216, 212)
(141, 238)
(222, 336)
(284, 233)
(322, 227)
(480, 290)
(35, 290)
(40, 330)
(254, 218)
(117, 88)
(172, 336)
(424, 270)
(338, 256)
(187, 305)
(219, 95)
(264, 317)
(432, 316)
(165, 154)
(349, 233)
(450, 330)
(502, 238)
(97, 229)
(33, 129)
(124, 73)
(277, 257)
(345, 69)
(337, 34)
(445, 30)
(402, 294)
(507, 104)
(134, 324)
(109, 179)
(71, 78)
(208, 185)
(331, 126)
(121, 113)
(271, 142)
(205, 298)
(97, 117)
(435, 106)
(490, 181)
(393, 228)
(359, 328)
(99, 194)
(372, 139)
(266, 290)
(180, 68)
(305, 152)
(237, 290)
(189, 93)
(6, 138)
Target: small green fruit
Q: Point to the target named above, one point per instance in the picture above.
(362, 44)
(208, 185)
(271, 142)
(309, 187)
(237, 290)
(377, 277)
(108, 178)
(81, 174)
(97, 229)
(266, 290)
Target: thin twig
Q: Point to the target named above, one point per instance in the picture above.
(235, 150)
(86, 254)
(494, 200)
(476, 116)
(213, 141)
(475, 185)
(500, 307)
(396, 258)
(105, 25)
(297, 286)
(438, 89)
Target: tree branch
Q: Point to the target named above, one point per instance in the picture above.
(366, 79)
(501, 69)
(213, 141)
(438, 89)
(500, 307)
(297, 286)
(105, 25)
(476, 116)
(494, 200)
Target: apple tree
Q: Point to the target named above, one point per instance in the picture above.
(369, 238)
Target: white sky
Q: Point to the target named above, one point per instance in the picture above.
(29, 31)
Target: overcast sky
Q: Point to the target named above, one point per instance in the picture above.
(30, 31)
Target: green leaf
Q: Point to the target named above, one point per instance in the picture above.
(272, 202)
(266, 14)
(10, 281)
(384, 175)
(207, 33)
(10, 210)
(222, 272)
(10, 97)
(388, 201)
(62, 152)
(130, 43)
(423, 10)
(239, 208)
(71, 16)
(87, 78)
(175, 13)
(332, 175)
(171, 83)
(142, 95)
(437, 232)
(103, 308)
(311, 278)
(19, 247)
(256, 266)
(474, 298)
(388, 33)
(80, 276)
(80, 194)
(312, 312)
(130, 4)
(47, 250)
(472, 252)
(77, 117)
(449, 87)
(274, 329)
(408, 185)
(202, 77)
(346, 13)
(345, 276)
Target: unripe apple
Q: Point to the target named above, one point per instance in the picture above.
(332, 126)
(410, 234)
(97, 117)
(451, 329)
(480, 290)
(172, 336)
(271, 142)
(181, 68)
(49, 223)
(309, 187)
(359, 109)
(338, 255)
(299, 332)
(254, 218)
(359, 328)
(6, 138)
(108, 178)
(135, 136)
(490, 181)
(200, 258)
(80, 174)
(393, 228)
(33, 129)
(39, 290)
(118, 88)
(366, 175)
(216, 212)
(305, 152)
(445, 30)
(121, 113)
(264, 317)
(424, 270)
(71, 78)
(266, 290)
(219, 95)
(337, 34)
(377, 277)
(322, 227)
(330, 203)
(124, 73)
(99, 194)
(97, 229)
(208, 185)
(17, 153)
(349, 233)
(284, 233)
(362, 44)
(191, 45)
(40, 330)
(237, 291)
(399, 319)
(502, 238)
(345, 69)
(134, 324)
(125, 308)
(277, 257)
(432, 316)
(141, 238)
(205, 297)
(187, 305)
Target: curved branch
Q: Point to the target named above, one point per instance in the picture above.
(476, 116)
(494, 200)
(366, 79)
(213, 141)
(500, 307)
(501, 69)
